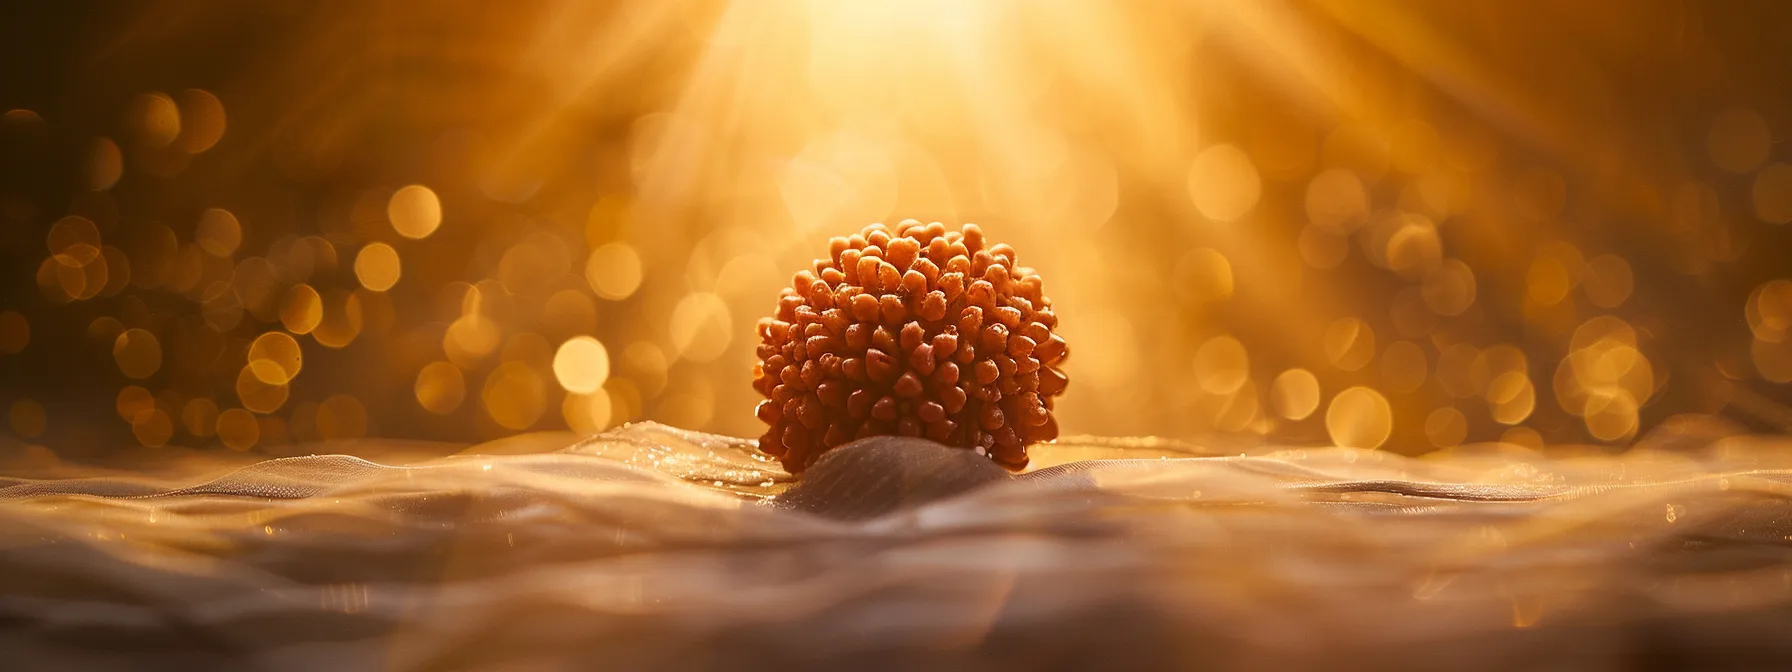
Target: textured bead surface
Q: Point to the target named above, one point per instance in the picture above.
(911, 331)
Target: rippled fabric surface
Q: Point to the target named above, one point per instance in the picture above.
(652, 548)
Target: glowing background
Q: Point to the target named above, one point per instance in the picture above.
(1399, 224)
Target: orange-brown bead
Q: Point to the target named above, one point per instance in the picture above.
(911, 330)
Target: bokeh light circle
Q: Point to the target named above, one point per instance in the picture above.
(614, 271)
(440, 387)
(138, 353)
(377, 267)
(1221, 365)
(1223, 183)
(1359, 417)
(1295, 394)
(414, 211)
(275, 358)
(582, 364)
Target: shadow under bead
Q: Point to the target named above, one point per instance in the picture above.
(870, 477)
(918, 331)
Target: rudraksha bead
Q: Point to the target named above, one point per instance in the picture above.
(915, 331)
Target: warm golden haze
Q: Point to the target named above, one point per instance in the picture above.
(478, 221)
